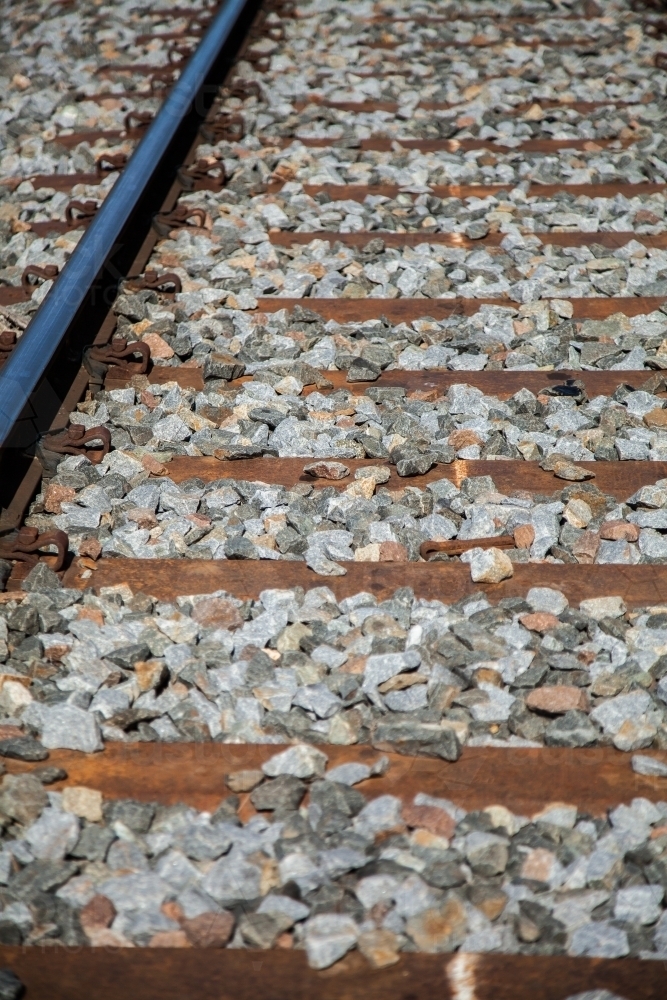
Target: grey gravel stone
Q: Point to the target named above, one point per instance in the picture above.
(300, 762)
(596, 995)
(71, 728)
(23, 748)
(649, 766)
(572, 729)
(599, 940)
(11, 987)
(328, 937)
(284, 792)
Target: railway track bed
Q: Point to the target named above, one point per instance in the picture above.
(333, 544)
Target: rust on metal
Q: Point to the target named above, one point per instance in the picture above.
(456, 546)
(206, 174)
(242, 88)
(165, 77)
(46, 273)
(11, 294)
(156, 281)
(120, 353)
(179, 218)
(138, 120)
(225, 127)
(108, 162)
(74, 440)
(179, 53)
(27, 545)
(80, 213)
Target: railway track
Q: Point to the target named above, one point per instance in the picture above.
(333, 618)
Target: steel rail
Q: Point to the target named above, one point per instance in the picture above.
(29, 364)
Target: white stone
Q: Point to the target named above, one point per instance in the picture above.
(328, 937)
(635, 734)
(300, 761)
(68, 727)
(14, 697)
(613, 713)
(547, 599)
(490, 565)
(53, 835)
(650, 766)
(578, 513)
(383, 813)
(599, 940)
(603, 607)
(639, 904)
(376, 889)
(558, 814)
(352, 773)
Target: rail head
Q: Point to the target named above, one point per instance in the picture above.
(29, 362)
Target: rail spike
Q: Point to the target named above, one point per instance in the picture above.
(156, 281)
(164, 222)
(46, 273)
(85, 213)
(26, 546)
(74, 440)
(203, 175)
(98, 358)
